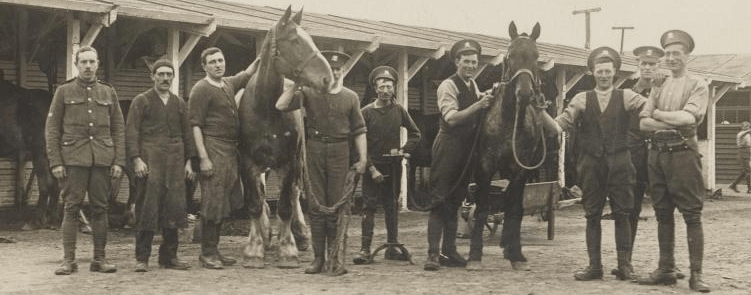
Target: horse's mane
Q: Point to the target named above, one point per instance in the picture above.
(267, 92)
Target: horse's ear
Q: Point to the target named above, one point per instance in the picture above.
(512, 31)
(535, 32)
(286, 15)
(298, 17)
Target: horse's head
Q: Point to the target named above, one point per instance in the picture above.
(295, 54)
(521, 66)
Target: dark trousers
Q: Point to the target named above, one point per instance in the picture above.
(167, 250)
(386, 193)
(745, 174)
(80, 180)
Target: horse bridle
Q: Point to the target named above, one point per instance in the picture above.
(296, 71)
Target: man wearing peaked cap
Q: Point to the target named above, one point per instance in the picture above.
(460, 103)
(673, 112)
(601, 120)
(677, 36)
(333, 119)
(382, 181)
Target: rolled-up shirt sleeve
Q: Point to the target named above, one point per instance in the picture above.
(567, 119)
(446, 98)
(696, 104)
(632, 100)
(198, 105)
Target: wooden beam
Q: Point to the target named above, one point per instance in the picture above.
(711, 138)
(402, 91)
(49, 25)
(203, 30)
(233, 40)
(479, 71)
(717, 95)
(347, 67)
(373, 45)
(73, 42)
(618, 82)
(437, 53)
(106, 18)
(173, 54)
(187, 48)
(370, 47)
(130, 41)
(91, 34)
(415, 67)
(70, 6)
(574, 79)
(22, 46)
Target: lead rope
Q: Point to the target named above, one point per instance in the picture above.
(513, 142)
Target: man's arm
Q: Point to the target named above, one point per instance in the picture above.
(362, 151)
(674, 118)
(240, 80)
(649, 125)
(454, 117)
(207, 168)
(413, 133)
(52, 134)
(117, 130)
(133, 136)
(290, 98)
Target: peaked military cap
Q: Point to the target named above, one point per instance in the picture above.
(677, 36)
(336, 59)
(383, 72)
(649, 53)
(604, 53)
(464, 46)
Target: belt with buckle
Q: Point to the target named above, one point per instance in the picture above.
(325, 139)
(670, 147)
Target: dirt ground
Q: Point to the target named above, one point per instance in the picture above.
(26, 266)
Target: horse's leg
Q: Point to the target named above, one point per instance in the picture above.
(299, 227)
(287, 207)
(253, 183)
(483, 177)
(512, 220)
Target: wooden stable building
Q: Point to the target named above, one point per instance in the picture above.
(129, 34)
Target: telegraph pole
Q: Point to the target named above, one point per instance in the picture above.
(586, 17)
(623, 29)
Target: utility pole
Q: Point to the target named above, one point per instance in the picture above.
(623, 29)
(586, 17)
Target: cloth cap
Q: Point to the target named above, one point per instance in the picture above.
(465, 46)
(604, 53)
(649, 53)
(161, 63)
(677, 36)
(383, 72)
(336, 59)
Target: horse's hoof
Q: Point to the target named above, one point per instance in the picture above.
(255, 263)
(520, 265)
(474, 265)
(288, 263)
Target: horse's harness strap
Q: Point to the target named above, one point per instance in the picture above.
(296, 71)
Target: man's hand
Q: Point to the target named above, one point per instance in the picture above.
(59, 172)
(485, 100)
(189, 173)
(140, 167)
(376, 175)
(359, 167)
(116, 171)
(207, 168)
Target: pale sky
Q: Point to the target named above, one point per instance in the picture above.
(718, 26)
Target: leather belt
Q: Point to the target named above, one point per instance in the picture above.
(670, 147)
(325, 139)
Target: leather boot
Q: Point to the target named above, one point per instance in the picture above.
(625, 269)
(99, 233)
(336, 256)
(208, 258)
(432, 263)
(593, 236)
(168, 251)
(318, 238)
(101, 265)
(226, 260)
(665, 272)
(695, 235)
(67, 267)
(364, 256)
(449, 256)
(70, 230)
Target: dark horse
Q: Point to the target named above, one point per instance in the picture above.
(22, 117)
(511, 142)
(271, 139)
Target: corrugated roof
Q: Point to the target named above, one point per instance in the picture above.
(737, 65)
(261, 18)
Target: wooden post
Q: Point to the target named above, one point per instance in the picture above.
(587, 12)
(73, 42)
(711, 125)
(402, 96)
(173, 54)
(560, 83)
(623, 32)
(22, 46)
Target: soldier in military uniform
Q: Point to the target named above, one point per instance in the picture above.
(460, 102)
(673, 112)
(601, 118)
(86, 147)
(384, 118)
(160, 145)
(648, 58)
(332, 119)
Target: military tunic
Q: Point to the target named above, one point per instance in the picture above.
(161, 136)
(214, 110)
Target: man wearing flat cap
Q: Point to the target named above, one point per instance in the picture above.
(672, 113)
(159, 144)
(381, 183)
(460, 103)
(332, 120)
(601, 120)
